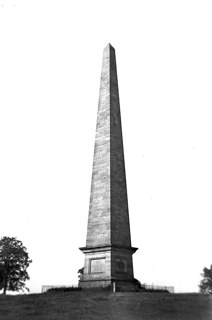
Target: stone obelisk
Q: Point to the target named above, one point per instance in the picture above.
(108, 251)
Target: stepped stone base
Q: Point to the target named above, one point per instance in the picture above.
(113, 285)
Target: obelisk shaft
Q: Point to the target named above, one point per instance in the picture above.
(120, 228)
(108, 251)
(108, 221)
(98, 232)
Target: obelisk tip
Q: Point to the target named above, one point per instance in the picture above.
(109, 46)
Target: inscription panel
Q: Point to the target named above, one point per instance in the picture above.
(97, 265)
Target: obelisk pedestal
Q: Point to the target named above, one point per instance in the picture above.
(108, 251)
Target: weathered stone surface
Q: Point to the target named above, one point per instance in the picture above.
(108, 251)
(98, 231)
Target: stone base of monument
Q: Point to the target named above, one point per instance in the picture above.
(110, 285)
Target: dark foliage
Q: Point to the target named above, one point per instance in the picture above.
(64, 289)
(206, 283)
(80, 273)
(14, 261)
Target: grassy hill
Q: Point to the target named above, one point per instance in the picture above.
(106, 305)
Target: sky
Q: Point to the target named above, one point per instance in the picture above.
(50, 65)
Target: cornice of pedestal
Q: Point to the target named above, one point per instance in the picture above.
(107, 248)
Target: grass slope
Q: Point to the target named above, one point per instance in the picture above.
(106, 305)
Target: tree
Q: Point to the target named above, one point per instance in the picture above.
(80, 273)
(206, 283)
(1, 276)
(14, 261)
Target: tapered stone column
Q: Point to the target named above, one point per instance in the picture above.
(108, 251)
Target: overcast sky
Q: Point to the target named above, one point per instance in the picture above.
(50, 65)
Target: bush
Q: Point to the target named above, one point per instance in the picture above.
(64, 289)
